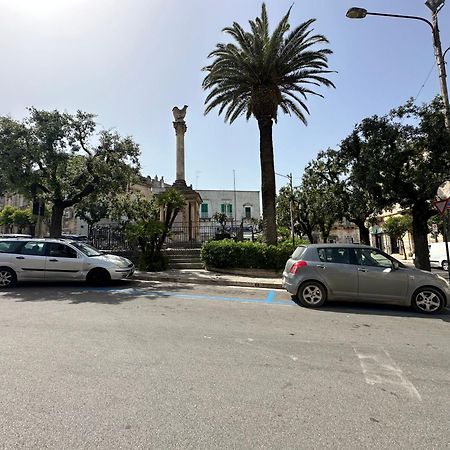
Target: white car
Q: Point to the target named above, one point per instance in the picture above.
(58, 260)
(438, 255)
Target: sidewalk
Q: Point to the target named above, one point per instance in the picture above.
(201, 276)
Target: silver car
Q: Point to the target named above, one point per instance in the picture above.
(319, 272)
(58, 260)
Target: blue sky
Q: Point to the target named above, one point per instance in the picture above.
(131, 61)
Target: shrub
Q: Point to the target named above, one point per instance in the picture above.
(252, 255)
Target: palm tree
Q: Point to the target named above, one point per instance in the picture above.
(261, 73)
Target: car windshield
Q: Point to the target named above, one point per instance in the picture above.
(86, 249)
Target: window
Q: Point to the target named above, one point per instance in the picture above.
(33, 248)
(60, 251)
(227, 208)
(373, 258)
(334, 255)
(248, 212)
(9, 246)
(204, 211)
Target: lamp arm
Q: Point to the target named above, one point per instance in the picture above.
(401, 16)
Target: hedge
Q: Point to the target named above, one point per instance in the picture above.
(252, 255)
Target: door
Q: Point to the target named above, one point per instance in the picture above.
(62, 262)
(378, 280)
(337, 272)
(30, 260)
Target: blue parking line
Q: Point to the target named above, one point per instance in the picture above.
(270, 297)
(152, 293)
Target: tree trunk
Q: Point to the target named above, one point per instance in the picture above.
(56, 220)
(364, 235)
(267, 180)
(420, 215)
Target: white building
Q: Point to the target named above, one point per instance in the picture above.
(239, 206)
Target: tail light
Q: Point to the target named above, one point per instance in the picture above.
(297, 265)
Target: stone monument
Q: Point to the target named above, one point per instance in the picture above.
(189, 219)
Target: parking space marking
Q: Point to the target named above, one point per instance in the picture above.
(149, 292)
(379, 368)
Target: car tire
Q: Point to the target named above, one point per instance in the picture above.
(428, 300)
(8, 277)
(311, 294)
(98, 277)
(444, 265)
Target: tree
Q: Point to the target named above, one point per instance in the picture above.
(93, 208)
(23, 218)
(258, 75)
(403, 163)
(221, 218)
(397, 227)
(60, 158)
(141, 220)
(7, 217)
(302, 218)
(323, 197)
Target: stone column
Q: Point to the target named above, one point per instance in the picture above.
(180, 130)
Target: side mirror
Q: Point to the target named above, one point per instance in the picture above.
(395, 265)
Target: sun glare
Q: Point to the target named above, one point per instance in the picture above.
(41, 8)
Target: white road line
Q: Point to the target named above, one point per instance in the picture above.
(379, 368)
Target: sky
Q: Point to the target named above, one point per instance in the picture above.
(131, 61)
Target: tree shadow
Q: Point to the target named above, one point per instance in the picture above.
(376, 309)
(75, 293)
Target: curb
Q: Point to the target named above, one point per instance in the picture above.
(220, 281)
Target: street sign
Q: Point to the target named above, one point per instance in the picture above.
(443, 192)
(441, 205)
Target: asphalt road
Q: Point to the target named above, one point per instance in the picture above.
(146, 365)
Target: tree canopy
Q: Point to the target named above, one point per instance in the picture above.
(260, 73)
(61, 158)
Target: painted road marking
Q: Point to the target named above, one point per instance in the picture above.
(149, 292)
(379, 368)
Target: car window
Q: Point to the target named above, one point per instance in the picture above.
(338, 255)
(9, 247)
(33, 248)
(58, 250)
(86, 249)
(371, 257)
(298, 252)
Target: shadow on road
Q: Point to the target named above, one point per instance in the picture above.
(76, 293)
(373, 309)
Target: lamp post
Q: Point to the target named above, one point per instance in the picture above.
(435, 6)
(291, 206)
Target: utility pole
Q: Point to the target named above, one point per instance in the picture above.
(291, 207)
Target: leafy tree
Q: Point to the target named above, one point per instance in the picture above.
(141, 218)
(93, 208)
(7, 217)
(397, 227)
(60, 158)
(221, 218)
(403, 163)
(23, 218)
(261, 73)
(323, 198)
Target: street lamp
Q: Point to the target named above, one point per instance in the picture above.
(435, 6)
(291, 206)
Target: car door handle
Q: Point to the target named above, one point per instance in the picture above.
(20, 257)
(53, 260)
(362, 270)
(321, 267)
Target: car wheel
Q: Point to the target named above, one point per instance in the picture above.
(98, 277)
(311, 294)
(445, 265)
(7, 277)
(428, 300)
